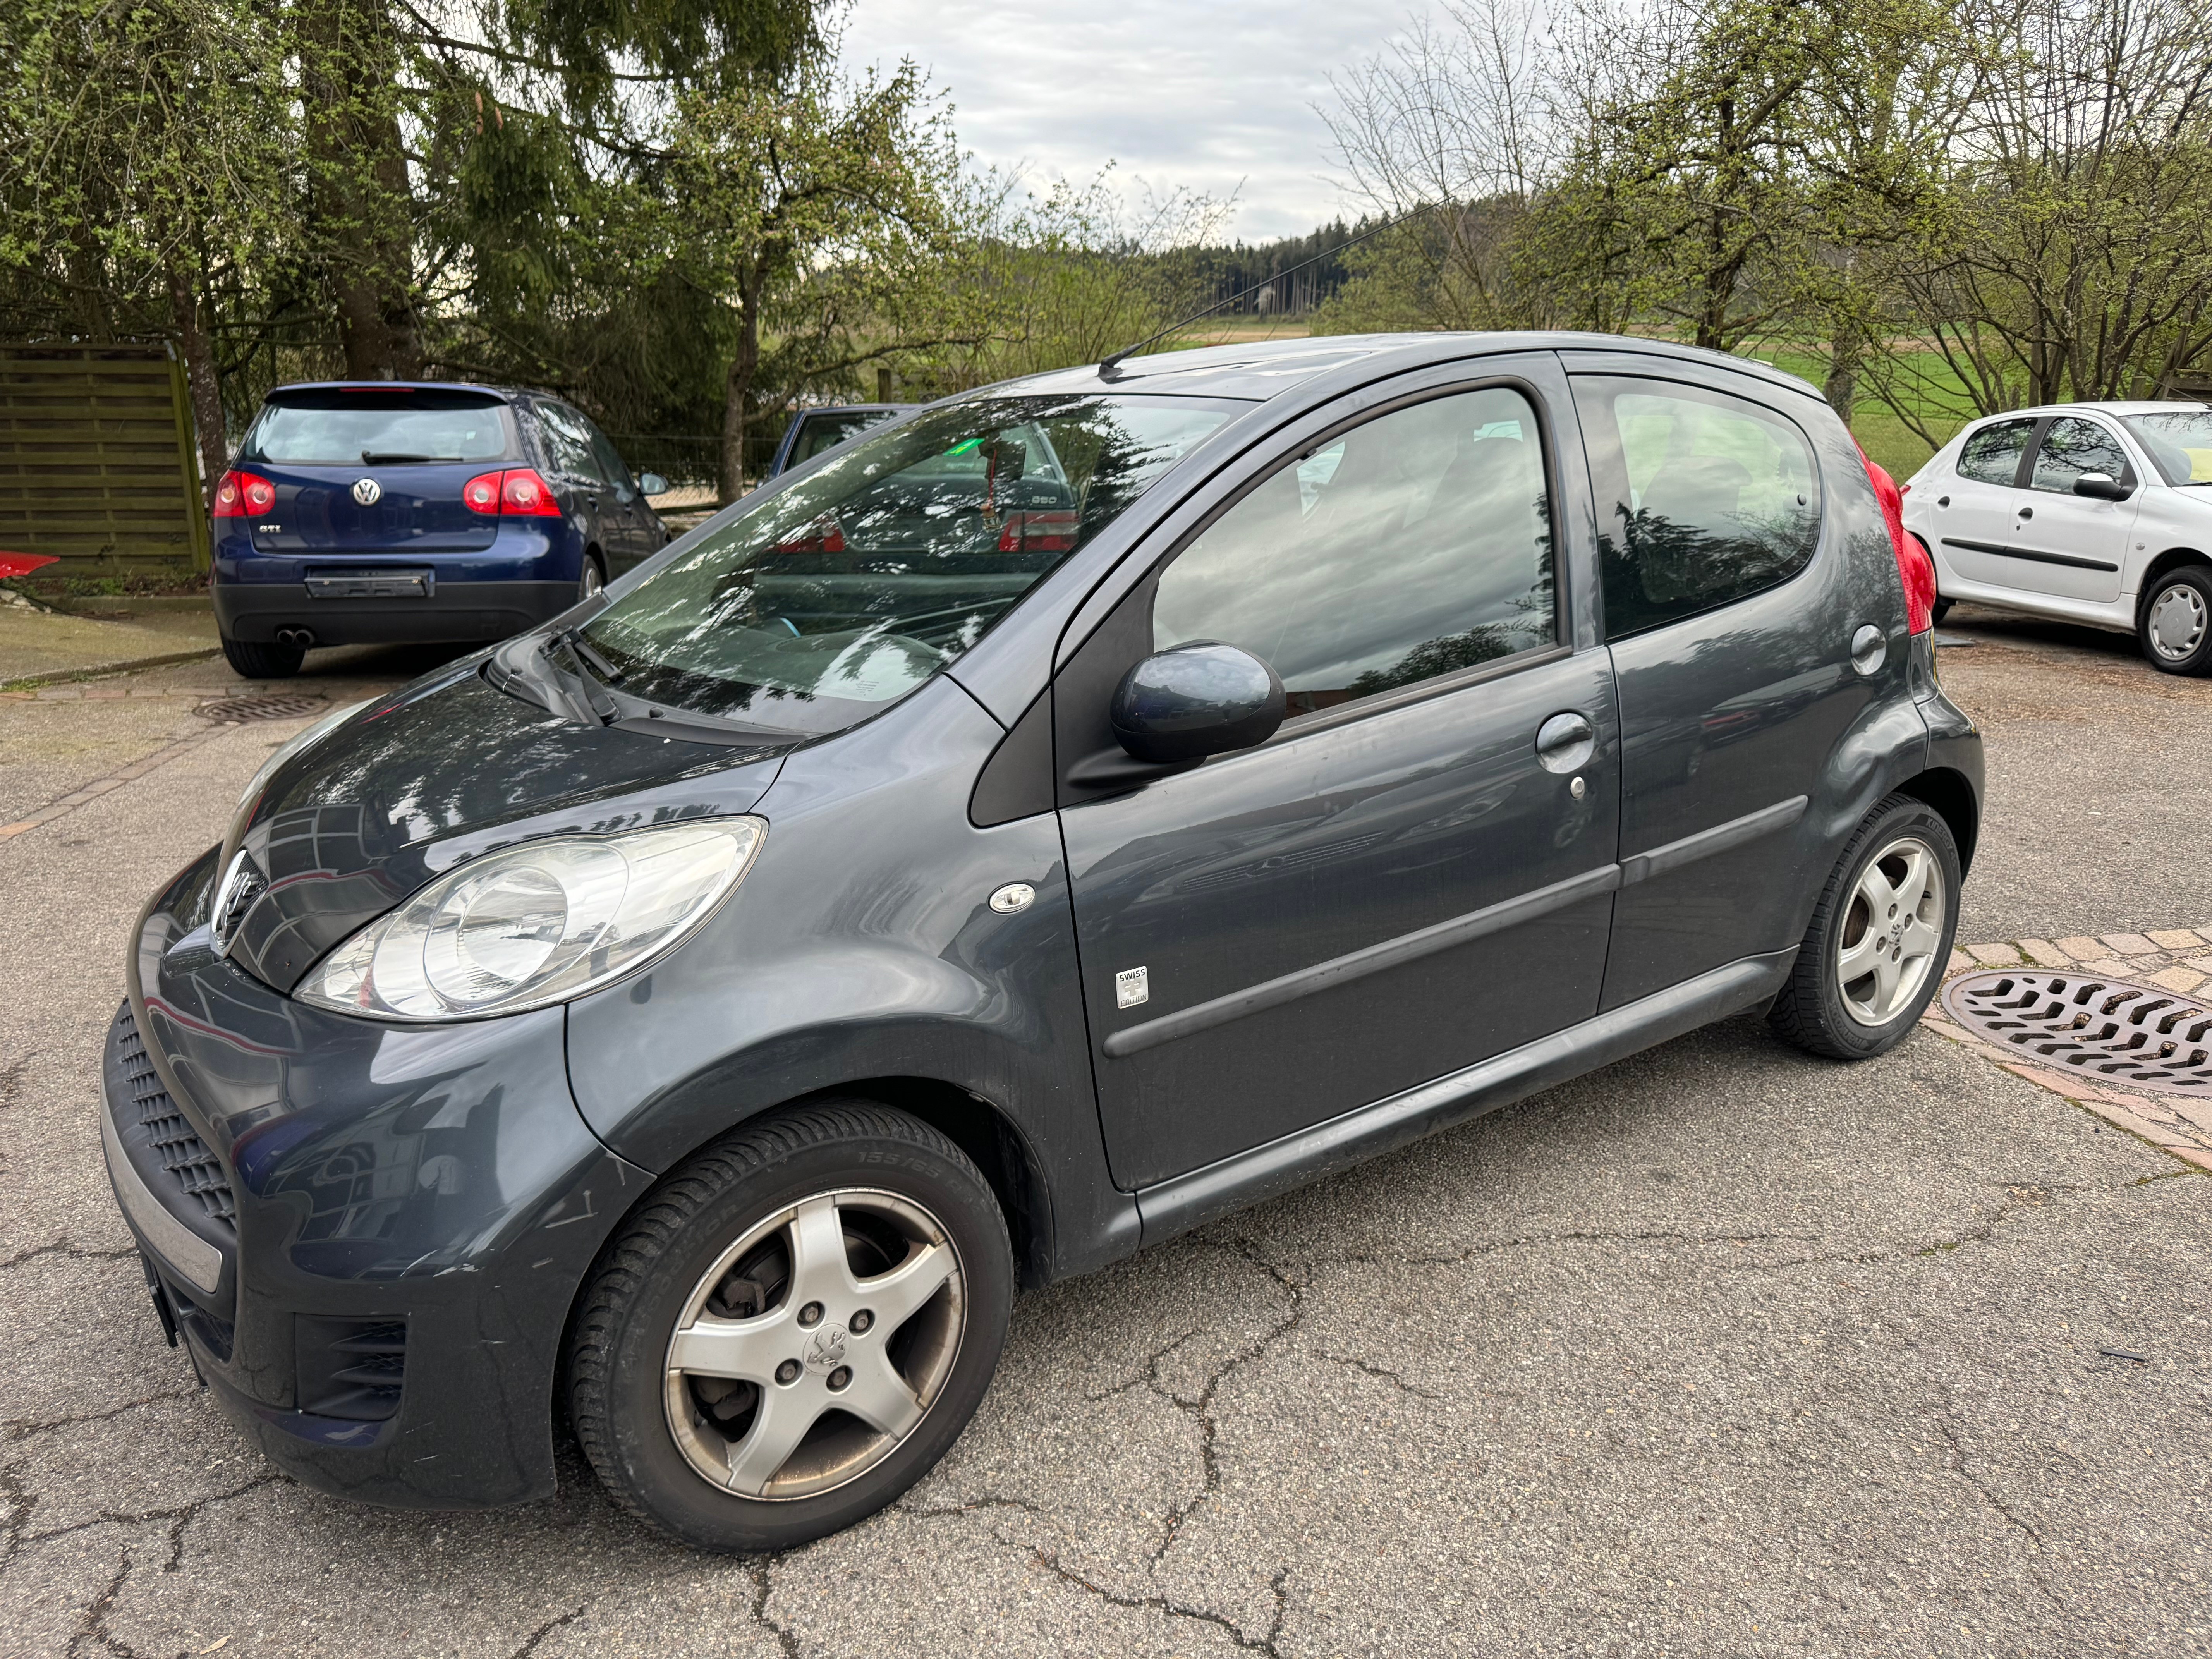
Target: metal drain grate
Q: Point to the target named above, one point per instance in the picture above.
(2134, 1036)
(279, 706)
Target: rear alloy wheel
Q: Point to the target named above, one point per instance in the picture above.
(1874, 955)
(2176, 625)
(262, 662)
(594, 579)
(794, 1330)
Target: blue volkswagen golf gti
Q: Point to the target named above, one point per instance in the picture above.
(1051, 821)
(380, 512)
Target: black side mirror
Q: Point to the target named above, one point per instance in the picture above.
(1195, 700)
(2102, 487)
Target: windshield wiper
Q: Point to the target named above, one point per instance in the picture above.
(383, 458)
(598, 664)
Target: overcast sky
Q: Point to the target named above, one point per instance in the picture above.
(1216, 96)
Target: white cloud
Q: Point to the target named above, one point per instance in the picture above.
(1218, 97)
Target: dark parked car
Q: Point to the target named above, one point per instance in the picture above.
(813, 430)
(358, 514)
(1084, 808)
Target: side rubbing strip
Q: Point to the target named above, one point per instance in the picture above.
(1706, 843)
(2032, 555)
(1357, 964)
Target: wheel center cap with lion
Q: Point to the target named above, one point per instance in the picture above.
(825, 1349)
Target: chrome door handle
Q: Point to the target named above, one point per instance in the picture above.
(1565, 742)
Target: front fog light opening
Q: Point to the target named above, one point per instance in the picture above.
(536, 924)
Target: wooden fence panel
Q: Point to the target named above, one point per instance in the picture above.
(97, 463)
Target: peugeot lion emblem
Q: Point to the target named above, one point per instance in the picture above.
(366, 491)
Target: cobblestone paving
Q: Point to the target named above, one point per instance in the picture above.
(2177, 959)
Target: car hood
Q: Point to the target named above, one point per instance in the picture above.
(439, 772)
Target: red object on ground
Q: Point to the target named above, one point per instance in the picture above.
(22, 564)
(1914, 567)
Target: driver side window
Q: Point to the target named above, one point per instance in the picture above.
(1411, 547)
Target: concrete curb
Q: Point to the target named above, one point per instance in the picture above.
(60, 676)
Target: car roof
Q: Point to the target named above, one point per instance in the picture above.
(1265, 369)
(2141, 406)
(500, 391)
(853, 408)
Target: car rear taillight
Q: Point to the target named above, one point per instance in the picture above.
(518, 492)
(523, 493)
(822, 535)
(241, 494)
(1914, 568)
(1038, 533)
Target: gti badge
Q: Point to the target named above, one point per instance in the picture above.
(368, 491)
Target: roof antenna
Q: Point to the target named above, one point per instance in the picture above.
(1109, 369)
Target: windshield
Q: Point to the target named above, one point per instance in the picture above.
(351, 428)
(2180, 444)
(854, 586)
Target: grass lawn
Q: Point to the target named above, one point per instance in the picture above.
(1887, 439)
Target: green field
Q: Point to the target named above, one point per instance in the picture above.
(1887, 439)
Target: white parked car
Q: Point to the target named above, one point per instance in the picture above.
(2093, 512)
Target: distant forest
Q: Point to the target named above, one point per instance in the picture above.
(1264, 278)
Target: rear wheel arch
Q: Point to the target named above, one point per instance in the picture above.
(1952, 796)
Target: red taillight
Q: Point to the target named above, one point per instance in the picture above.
(823, 535)
(1914, 568)
(517, 492)
(523, 493)
(241, 494)
(1038, 532)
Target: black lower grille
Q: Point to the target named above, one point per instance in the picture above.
(198, 1172)
(351, 1368)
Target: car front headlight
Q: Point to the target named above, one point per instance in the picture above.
(539, 923)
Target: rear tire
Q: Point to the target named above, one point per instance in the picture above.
(1940, 610)
(594, 582)
(737, 1384)
(263, 662)
(1879, 937)
(2174, 626)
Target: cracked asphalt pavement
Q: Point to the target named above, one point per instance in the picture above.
(1722, 1350)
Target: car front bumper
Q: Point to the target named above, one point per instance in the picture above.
(370, 1236)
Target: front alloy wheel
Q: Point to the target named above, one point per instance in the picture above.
(815, 1347)
(792, 1327)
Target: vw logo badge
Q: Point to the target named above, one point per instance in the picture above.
(368, 491)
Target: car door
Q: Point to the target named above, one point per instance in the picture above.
(580, 483)
(1398, 884)
(2066, 545)
(1975, 513)
(631, 525)
(1740, 553)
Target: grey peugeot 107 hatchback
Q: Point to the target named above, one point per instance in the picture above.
(1072, 810)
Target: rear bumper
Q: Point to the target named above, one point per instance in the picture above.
(451, 613)
(369, 1236)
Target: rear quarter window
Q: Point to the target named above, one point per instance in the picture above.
(1703, 498)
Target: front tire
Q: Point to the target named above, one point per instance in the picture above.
(2175, 624)
(1874, 953)
(792, 1329)
(262, 662)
